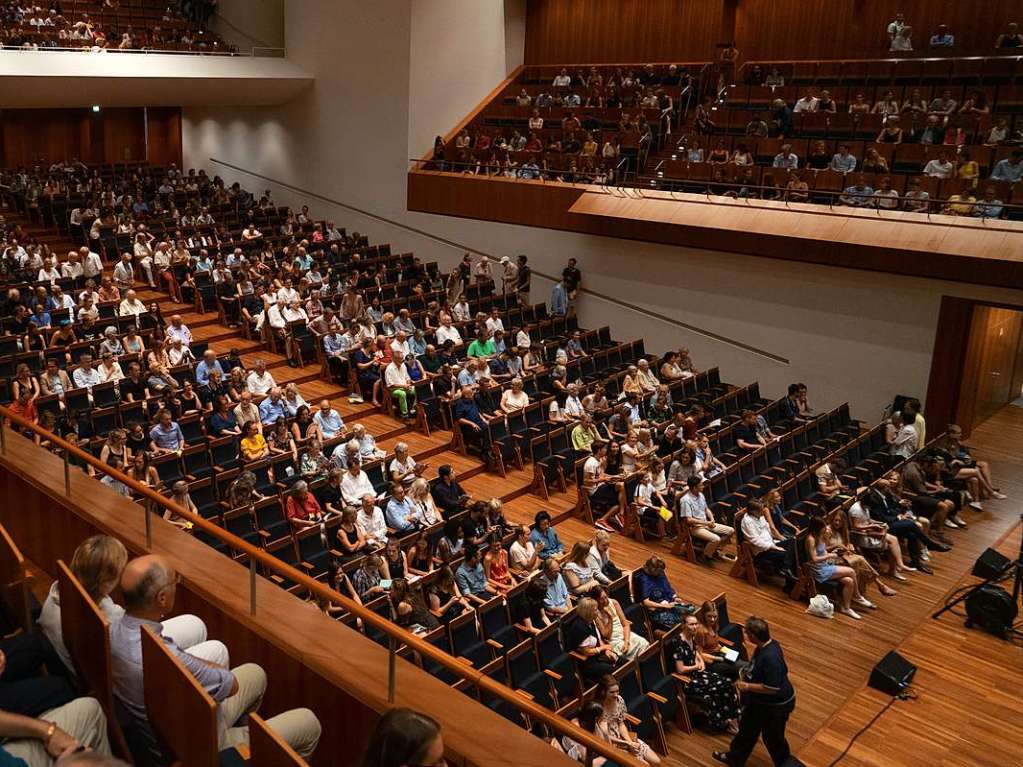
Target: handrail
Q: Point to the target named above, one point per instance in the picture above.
(875, 59)
(147, 51)
(395, 634)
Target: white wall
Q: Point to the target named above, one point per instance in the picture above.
(459, 53)
(249, 23)
(79, 78)
(850, 335)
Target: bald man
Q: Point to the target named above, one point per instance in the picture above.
(149, 586)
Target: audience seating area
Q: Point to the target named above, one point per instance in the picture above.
(529, 451)
(691, 143)
(111, 25)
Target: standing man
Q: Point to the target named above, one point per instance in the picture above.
(522, 281)
(768, 700)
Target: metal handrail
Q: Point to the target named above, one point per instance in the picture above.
(395, 634)
(149, 51)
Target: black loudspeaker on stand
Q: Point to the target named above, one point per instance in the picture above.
(988, 605)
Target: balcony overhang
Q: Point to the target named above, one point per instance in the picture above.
(30, 79)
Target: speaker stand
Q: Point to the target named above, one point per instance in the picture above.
(1015, 570)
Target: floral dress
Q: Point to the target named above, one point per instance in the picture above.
(613, 719)
(716, 692)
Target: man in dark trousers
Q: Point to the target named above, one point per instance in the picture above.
(768, 698)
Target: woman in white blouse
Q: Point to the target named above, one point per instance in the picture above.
(514, 399)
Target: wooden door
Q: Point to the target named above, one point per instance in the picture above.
(989, 364)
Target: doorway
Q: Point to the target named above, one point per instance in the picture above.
(977, 368)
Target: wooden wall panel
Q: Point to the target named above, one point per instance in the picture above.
(609, 31)
(835, 29)
(107, 136)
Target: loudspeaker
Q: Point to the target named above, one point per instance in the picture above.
(991, 608)
(892, 674)
(990, 564)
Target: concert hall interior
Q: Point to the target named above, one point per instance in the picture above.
(511, 382)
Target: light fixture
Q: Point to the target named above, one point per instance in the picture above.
(95, 107)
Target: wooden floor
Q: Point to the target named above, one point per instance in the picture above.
(963, 675)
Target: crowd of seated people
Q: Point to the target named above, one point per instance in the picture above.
(104, 25)
(638, 437)
(43, 721)
(608, 114)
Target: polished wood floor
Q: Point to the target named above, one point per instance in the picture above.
(969, 711)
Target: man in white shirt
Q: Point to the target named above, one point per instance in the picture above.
(259, 381)
(177, 330)
(573, 405)
(288, 293)
(399, 384)
(906, 437)
(399, 346)
(92, 264)
(355, 485)
(72, 268)
(124, 273)
(940, 166)
(494, 321)
(808, 103)
(770, 551)
(85, 375)
(448, 332)
(370, 520)
(131, 306)
(562, 80)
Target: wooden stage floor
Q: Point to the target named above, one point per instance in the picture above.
(970, 706)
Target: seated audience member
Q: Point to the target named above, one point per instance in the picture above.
(719, 700)
(614, 718)
(825, 568)
(769, 547)
(584, 637)
(579, 573)
(471, 578)
(943, 37)
(664, 606)
(447, 493)
(858, 194)
(556, 601)
(56, 736)
(842, 161)
(615, 628)
(544, 533)
(148, 585)
(695, 513)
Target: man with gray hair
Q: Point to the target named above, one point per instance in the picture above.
(149, 585)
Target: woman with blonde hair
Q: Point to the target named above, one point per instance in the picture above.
(419, 495)
(97, 564)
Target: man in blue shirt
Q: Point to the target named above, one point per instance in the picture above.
(1010, 169)
(335, 347)
(943, 38)
(989, 206)
(769, 699)
(471, 421)
(471, 579)
(208, 363)
(859, 195)
(149, 587)
(272, 408)
(400, 514)
(559, 299)
(166, 435)
(555, 601)
(842, 161)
